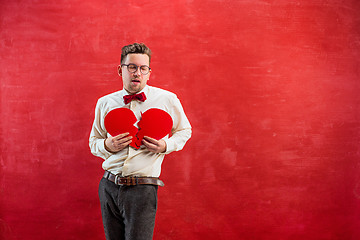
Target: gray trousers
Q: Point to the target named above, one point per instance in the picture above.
(128, 212)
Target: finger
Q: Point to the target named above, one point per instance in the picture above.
(122, 145)
(125, 143)
(122, 140)
(117, 142)
(152, 140)
(121, 135)
(148, 144)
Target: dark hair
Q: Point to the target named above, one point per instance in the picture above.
(139, 48)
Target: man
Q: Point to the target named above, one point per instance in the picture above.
(128, 189)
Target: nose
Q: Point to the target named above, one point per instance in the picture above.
(137, 72)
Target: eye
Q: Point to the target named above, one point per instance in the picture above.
(144, 68)
(132, 67)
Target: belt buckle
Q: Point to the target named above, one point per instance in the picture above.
(116, 179)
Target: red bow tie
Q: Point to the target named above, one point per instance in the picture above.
(140, 96)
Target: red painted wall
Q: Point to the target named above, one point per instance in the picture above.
(270, 87)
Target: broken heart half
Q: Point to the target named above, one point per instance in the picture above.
(154, 123)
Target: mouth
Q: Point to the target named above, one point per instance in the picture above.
(135, 81)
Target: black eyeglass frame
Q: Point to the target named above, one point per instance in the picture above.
(137, 67)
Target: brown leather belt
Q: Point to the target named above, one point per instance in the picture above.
(132, 181)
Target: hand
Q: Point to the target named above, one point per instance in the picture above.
(117, 143)
(154, 145)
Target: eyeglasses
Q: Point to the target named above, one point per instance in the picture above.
(133, 68)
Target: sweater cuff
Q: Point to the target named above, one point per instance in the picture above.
(103, 148)
(170, 146)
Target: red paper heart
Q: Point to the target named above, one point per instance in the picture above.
(121, 120)
(154, 123)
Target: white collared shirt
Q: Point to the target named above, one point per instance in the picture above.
(131, 161)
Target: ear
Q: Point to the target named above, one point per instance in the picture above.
(119, 70)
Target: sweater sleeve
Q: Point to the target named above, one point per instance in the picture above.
(181, 131)
(98, 134)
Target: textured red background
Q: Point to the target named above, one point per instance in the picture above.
(270, 87)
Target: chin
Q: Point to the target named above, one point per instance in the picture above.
(131, 90)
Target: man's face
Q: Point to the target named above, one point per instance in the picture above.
(134, 82)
